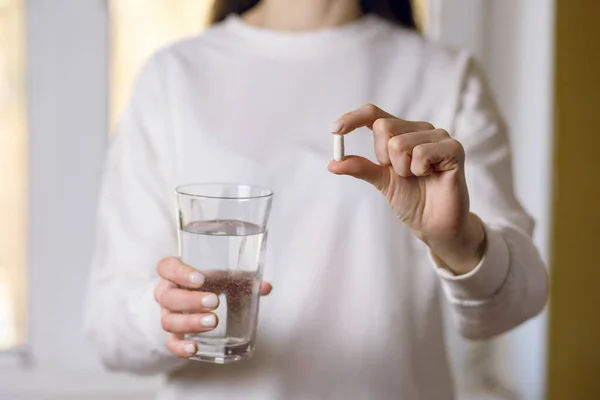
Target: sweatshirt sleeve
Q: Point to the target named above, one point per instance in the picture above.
(135, 229)
(510, 284)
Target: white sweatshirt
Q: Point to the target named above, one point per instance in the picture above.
(356, 309)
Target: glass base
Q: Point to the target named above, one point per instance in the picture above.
(221, 350)
(220, 359)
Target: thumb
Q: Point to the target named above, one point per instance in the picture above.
(361, 168)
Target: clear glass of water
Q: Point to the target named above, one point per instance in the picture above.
(223, 234)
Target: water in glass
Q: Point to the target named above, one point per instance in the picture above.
(229, 254)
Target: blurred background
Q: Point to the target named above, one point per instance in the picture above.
(66, 69)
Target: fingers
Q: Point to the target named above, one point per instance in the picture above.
(182, 300)
(406, 152)
(400, 148)
(265, 288)
(364, 116)
(364, 169)
(437, 157)
(385, 129)
(171, 297)
(384, 126)
(188, 323)
(162, 286)
(367, 116)
(172, 269)
(181, 348)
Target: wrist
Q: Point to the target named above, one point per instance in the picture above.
(462, 252)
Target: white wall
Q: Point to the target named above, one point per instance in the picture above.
(514, 40)
(67, 121)
(67, 58)
(523, 32)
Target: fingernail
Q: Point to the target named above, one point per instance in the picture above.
(210, 301)
(196, 278)
(189, 348)
(208, 321)
(336, 127)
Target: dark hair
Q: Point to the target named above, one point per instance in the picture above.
(396, 11)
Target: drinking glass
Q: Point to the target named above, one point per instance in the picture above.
(223, 234)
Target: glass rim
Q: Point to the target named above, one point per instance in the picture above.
(182, 191)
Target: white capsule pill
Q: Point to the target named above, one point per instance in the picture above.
(338, 147)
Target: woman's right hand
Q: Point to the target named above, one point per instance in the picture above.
(178, 292)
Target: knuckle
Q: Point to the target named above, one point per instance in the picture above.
(419, 169)
(370, 108)
(383, 124)
(393, 146)
(458, 147)
(443, 133)
(419, 152)
(162, 288)
(166, 323)
(165, 265)
(397, 144)
(165, 298)
(425, 126)
(160, 266)
(379, 124)
(158, 292)
(172, 347)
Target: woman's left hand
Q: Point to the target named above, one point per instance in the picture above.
(421, 174)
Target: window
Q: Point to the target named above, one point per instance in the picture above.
(421, 9)
(137, 29)
(13, 176)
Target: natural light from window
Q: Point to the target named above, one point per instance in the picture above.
(137, 29)
(13, 176)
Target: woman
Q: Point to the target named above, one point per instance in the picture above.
(356, 313)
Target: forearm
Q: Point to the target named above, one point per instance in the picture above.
(461, 253)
